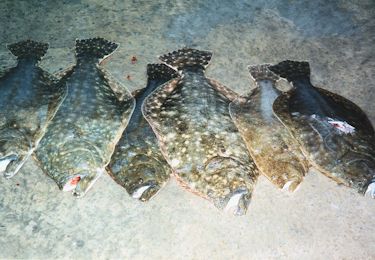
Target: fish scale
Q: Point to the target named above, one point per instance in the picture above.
(29, 98)
(81, 138)
(334, 134)
(191, 119)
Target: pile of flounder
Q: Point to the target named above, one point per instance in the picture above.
(182, 124)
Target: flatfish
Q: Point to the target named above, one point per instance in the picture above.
(29, 97)
(137, 163)
(198, 138)
(81, 138)
(334, 133)
(274, 150)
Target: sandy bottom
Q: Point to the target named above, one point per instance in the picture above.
(319, 220)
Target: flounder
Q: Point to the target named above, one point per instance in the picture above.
(198, 138)
(334, 133)
(29, 97)
(274, 150)
(81, 138)
(137, 163)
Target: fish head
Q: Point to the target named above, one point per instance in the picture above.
(230, 187)
(359, 171)
(143, 175)
(15, 148)
(81, 182)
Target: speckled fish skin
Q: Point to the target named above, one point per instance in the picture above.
(29, 97)
(137, 163)
(82, 136)
(198, 138)
(275, 152)
(334, 133)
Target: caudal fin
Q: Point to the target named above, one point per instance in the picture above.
(160, 72)
(291, 70)
(187, 57)
(28, 49)
(95, 47)
(261, 72)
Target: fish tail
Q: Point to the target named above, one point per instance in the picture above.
(160, 71)
(261, 72)
(291, 69)
(28, 49)
(97, 47)
(187, 57)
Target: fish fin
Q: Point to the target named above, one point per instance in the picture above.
(97, 47)
(121, 92)
(160, 71)
(281, 109)
(261, 72)
(291, 69)
(155, 100)
(64, 73)
(187, 57)
(354, 114)
(227, 92)
(28, 49)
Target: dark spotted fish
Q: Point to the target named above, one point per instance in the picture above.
(82, 136)
(137, 163)
(190, 117)
(335, 134)
(29, 98)
(274, 150)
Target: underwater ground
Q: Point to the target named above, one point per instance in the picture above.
(320, 220)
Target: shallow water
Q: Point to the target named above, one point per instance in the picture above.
(320, 220)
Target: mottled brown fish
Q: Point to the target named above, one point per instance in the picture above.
(29, 97)
(274, 150)
(335, 134)
(190, 117)
(81, 138)
(137, 163)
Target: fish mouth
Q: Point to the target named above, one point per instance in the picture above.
(291, 185)
(79, 184)
(145, 191)
(6, 162)
(370, 190)
(237, 202)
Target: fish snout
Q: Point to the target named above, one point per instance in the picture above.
(144, 191)
(9, 165)
(238, 201)
(80, 183)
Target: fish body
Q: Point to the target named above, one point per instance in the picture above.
(274, 150)
(198, 138)
(29, 97)
(334, 133)
(81, 138)
(137, 163)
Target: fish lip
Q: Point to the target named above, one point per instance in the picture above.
(11, 157)
(149, 185)
(292, 185)
(369, 189)
(242, 204)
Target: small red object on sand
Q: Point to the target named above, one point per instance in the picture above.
(133, 60)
